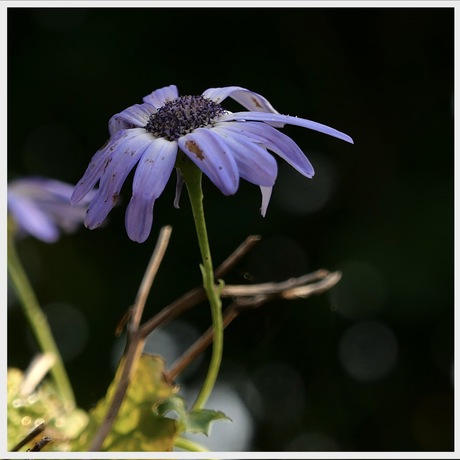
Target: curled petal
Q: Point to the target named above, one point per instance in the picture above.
(122, 161)
(136, 116)
(159, 97)
(212, 156)
(275, 141)
(248, 99)
(150, 179)
(287, 119)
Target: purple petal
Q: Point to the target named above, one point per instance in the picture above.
(99, 162)
(41, 207)
(122, 161)
(135, 116)
(152, 174)
(160, 96)
(212, 156)
(273, 117)
(32, 219)
(117, 124)
(254, 163)
(275, 141)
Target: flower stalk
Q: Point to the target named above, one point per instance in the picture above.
(37, 321)
(192, 176)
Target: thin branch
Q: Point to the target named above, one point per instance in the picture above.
(236, 255)
(271, 288)
(255, 295)
(149, 276)
(135, 340)
(34, 433)
(197, 295)
(230, 313)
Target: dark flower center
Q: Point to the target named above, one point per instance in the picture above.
(182, 115)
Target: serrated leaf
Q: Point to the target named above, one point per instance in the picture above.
(194, 421)
(199, 421)
(137, 427)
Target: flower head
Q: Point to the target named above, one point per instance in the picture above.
(41, 207)
(224, 145)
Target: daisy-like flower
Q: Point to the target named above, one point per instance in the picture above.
(224, 145)
(41, 207)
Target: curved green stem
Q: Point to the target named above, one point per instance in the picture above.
(191, 446)
(192, 176)
(37, 321)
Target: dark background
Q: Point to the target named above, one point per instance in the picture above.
(381, 211)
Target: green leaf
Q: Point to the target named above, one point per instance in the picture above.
(138, 426)
(195, 421)
(199, 421)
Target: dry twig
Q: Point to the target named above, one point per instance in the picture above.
(255, 295)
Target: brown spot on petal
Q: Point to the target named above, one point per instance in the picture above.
(256, 102)
(193, 147)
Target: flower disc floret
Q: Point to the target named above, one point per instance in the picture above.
(183, 115)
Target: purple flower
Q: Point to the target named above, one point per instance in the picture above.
(224, 145)
(41, 207)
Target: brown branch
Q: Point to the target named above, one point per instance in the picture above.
(255, 295)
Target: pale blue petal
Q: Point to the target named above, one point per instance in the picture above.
(32, 219)
(160, 96)
(122, 161)
(150, 179)
(212, 156)
(117, 124)
(248, 99)
(99, 162)
(179, 186)
(273, 117)
(266, 195)
(137, 116)
(273, 140)
(41, 206)
(254, 163)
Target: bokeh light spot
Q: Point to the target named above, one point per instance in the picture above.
(361, 291)
(282, 392)
(298, 195)
(368, 351)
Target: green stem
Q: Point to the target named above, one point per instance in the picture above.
(192, 176)
(191, 446)
(37, 321)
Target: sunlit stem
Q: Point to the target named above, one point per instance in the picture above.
(192, 176)
(37, 321)
(191, 446)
